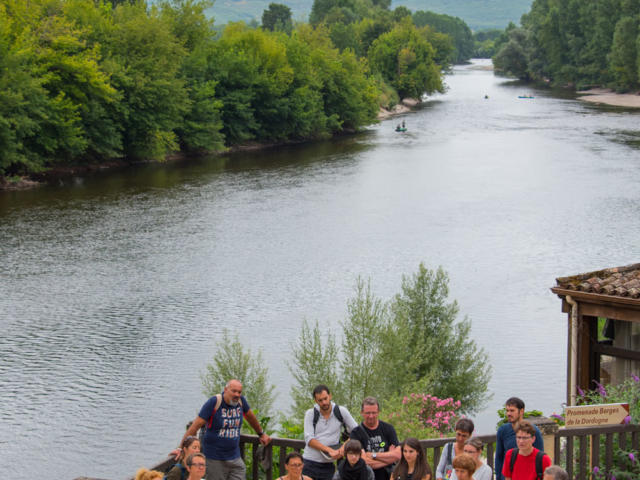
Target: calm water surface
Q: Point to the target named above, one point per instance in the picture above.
(114, 288)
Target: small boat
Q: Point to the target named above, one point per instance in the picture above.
(401, 129)
(526, 96)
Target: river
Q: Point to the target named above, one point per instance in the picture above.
(115, 287)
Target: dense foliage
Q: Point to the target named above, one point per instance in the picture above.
(412, 343)
(574, 43)
(458, 31)
(87, 81)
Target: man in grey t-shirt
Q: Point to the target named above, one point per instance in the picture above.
(323, 439)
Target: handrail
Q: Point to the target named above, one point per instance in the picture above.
(567, 441)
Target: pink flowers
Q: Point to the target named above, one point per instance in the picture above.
(439, 414)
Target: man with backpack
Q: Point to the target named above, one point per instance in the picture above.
(222, 415)
(323, 425)
(525, 462)
(506, 435)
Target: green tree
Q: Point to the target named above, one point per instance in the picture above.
(455, 27)
(512, 57)
(148, 58)
(55, 80)
(202, 122)
(362, 340)
(624, 53)
(428, 350)
(314, 362)
(405, 59)
(277, 17)
(232, 361)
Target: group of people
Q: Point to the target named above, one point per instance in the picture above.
(368, 451)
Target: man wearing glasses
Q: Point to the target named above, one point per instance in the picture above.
(525, 462)
(506, 436)
(222, 415)
(378, 439)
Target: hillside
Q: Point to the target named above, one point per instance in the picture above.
(478, 14)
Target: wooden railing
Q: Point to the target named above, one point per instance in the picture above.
(577, 450)
(433, 449)
(594, 447)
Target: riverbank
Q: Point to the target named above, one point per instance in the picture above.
(405, 106)
(39, 179)
(609, 97)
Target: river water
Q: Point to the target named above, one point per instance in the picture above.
(115, 287)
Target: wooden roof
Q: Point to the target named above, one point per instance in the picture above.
(610, 293)
(616, 282)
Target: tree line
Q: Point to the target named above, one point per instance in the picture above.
(87, 81)
(574, 43)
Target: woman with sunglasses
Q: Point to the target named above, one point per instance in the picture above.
(196, 466)
(293, 464)
(179, 470)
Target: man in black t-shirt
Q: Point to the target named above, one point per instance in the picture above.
(378, 439)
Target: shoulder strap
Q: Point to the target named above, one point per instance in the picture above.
(539, 457)
(449, 459)
(338, 413)
(316, 417)
(514, 456)
(215, 409)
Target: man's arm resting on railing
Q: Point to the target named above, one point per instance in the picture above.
(255, 424)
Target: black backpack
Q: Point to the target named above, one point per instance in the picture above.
(539, 457)
(344, 436)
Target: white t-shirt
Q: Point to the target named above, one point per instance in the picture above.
(327, 431)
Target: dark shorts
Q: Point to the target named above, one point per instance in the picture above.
(318, 471)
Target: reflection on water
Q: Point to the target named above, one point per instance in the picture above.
(115, 286)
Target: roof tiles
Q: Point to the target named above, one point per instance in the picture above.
(618, 281)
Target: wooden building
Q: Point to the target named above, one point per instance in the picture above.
(603, 310)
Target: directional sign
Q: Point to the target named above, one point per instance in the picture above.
(595, 415)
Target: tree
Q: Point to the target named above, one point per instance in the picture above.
(624, 55)
(426, 349)
(512, 57)
(362, 339)
(277, 17)
(231, 361)
(455, 27)
(314, 362)
(405, 59)
(148, 58)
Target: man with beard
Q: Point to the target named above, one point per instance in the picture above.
(322, 430)
(222, 415)
(506, 436)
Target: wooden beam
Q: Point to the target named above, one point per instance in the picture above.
(616, 352)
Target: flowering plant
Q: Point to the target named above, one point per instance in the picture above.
(627, 467)
(424, 416)
(625, 392)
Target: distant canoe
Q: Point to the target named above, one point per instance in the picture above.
(526, 96)
(400, 129)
